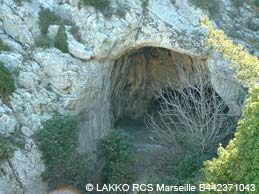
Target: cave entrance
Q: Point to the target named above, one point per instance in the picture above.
(136, 76)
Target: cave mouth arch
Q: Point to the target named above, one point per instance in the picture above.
(135, 74)
(132, 95)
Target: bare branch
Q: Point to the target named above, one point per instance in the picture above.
(194, 112)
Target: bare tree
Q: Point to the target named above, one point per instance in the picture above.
(193, 111)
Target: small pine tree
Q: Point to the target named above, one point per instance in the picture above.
(6, 148)
(46, 18)
(103, 6)
(238, 3)
(256, 2)
(3, 47)
(61, 40)
(6, 82)
(43, 41)
(58, 142)
(117, 152)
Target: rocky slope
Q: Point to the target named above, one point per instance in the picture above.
(79, 82)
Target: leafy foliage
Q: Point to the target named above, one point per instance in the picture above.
(256, 3)
(3, 47)
(6, 82)
(121, 10)
(145, 3)
(61, 40)
(103, 6)
(186, 170)
(58, 141)
(19, 2)
(116, 152)
(191, 164)
(43, 41)
(6, 148)
(212, 6)
(237, 163)
(247, 66)
(252, 25)
(46, 18)
(238, 3)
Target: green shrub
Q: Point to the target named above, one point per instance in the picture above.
(43, 41)
(121, 10)
(246, 65)
(186, 169)
(19, 2)
(46, 18)
(6, 148)
(3, 47)
(61, 40)
(145, 3)
(256, 3)
(7, 86)
(213, 6)
(103, 6)
(238, 3)
(190, 165)
(117, 153)
(251, 25)
(238, 162)
(242, 96)
(58, 141)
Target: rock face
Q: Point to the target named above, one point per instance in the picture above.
(137, 76)
(84, 80)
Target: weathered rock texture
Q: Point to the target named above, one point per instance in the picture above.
(84, 80)
(137, 76)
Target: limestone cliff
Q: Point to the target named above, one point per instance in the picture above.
(88, 80)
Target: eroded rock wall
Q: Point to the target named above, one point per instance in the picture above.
(138, 75)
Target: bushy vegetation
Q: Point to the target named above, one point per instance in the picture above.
(187, 169)
(46, 18)
(213, 6)
(7, 86)
(43, 41)
(238, 3)
(190, 166)
(237, 163)
(145, 3)
(121, 10)
(247, 66)
(61, 40)
(251, 25)
(58, 141)
(116, 152)
(256, 3)
(3, 47)
(6, 148)
(19, 2)
(103, 6)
